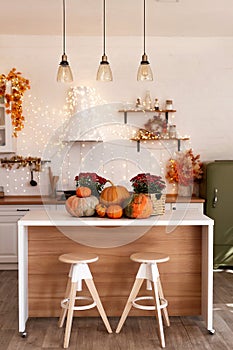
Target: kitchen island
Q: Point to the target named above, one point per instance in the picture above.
(186, 236)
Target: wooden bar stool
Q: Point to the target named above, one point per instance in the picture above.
(79, 271)
(148, 271)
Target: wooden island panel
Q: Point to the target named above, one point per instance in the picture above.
(114, 272)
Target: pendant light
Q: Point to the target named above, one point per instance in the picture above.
(144, 70)
(64, 74)
(104, 72)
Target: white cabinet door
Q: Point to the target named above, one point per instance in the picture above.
(8, 239)
(9, 216)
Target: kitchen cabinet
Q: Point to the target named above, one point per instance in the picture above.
(8, 238)
(174, 202)
(7, 142)
(9, 216)
(186, 206)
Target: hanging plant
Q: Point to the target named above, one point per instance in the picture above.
(14, 100)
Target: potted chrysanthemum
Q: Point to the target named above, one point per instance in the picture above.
(154, 186)
(91, 180)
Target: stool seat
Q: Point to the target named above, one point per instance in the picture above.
(149, 257)
(78, 258)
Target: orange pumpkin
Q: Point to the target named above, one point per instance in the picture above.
(114, 195)
(114, 211)
(139, 207)
(83, 191)
(77, 206)
(101, 210)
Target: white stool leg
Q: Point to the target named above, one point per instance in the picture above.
(70, 314)
(164, 310)
(91, 286)
(137, 285)
(159, 316)
(155, 275)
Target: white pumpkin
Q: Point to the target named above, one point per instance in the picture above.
(77, 206)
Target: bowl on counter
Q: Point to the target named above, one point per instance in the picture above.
(69, 193)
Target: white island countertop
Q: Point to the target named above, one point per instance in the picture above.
(63, 218)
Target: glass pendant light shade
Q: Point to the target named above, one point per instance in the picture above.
(64, 74)
(144, 70)
(104, 72)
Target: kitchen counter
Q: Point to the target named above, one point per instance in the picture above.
(38, 200)
(29, 200)
(186, 236)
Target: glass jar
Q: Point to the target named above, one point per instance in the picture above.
(172, 131)
(147, 101)
(169, 105)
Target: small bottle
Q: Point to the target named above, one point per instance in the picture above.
(147, 101)
(169, 105)
(138, 104)
(172, 131)
(156, 104)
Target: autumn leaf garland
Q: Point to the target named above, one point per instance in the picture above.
(14, 100)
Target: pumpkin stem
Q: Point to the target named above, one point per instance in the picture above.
(111, 183)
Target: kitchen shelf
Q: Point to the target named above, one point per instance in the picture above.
(154, 111)
(8, 161)
(84, 140)
(36, 162)
(178, 139)
(165, 111)
(69, 141)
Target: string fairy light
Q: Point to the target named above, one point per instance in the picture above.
(82, 97)
(44, 120)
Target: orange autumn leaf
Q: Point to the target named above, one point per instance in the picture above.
(184, 168)
(14, 100)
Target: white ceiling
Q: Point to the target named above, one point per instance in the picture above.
(124, 17)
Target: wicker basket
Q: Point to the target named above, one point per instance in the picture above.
(158, 204)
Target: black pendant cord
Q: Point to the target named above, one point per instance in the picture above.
(64, 27)
(144, 26)
(104, 25)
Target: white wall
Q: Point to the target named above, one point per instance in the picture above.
(197, 73)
